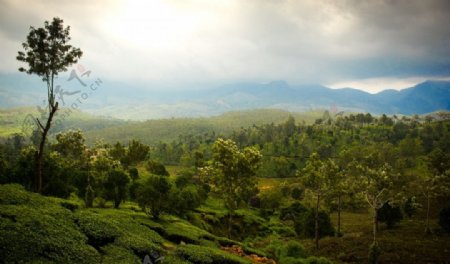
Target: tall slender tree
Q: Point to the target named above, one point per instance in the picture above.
(232, 173)
(317, 176)
(47, 53)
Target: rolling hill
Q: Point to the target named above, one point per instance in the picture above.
(150, 131)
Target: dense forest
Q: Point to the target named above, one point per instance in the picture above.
(258, 193)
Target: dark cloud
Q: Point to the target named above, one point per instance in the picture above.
(298, 41)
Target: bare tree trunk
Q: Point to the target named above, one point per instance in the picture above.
(339, 217)
(230, 219)
(39, 155)
(316, 235)
(375, 223)
(427, 228)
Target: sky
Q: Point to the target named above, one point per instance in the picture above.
(189, 44)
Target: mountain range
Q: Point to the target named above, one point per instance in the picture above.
(137, 103)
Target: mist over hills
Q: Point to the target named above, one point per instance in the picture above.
(137, 103)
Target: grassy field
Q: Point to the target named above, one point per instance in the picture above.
(406, 243)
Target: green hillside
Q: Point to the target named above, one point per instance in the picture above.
(149, 132)
(20, 120)
(153, 131)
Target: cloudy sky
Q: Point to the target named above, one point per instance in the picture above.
(370, 45)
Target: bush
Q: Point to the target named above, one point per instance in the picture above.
(207, 255)
(100, 231)
(389, 215)
(116, 186)
(154, 195)
(410, 207)
(297, 193)
(293, 211)
(304, 224)
(294, 249)
(374, 253)
(33, 227)
(271, 199)
(444, 218)
(156, 168)
(185, 199)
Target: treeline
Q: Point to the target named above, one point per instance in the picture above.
(286, 147)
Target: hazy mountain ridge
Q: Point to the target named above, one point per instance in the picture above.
(136, 103)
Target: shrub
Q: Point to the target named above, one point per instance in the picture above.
(185, 199)
(154, 195)
(389, 215)
(374, 253)
(33, 227)
(207, 255)
(410, 207)
(294, 249)
(99, 230)
(317, 260)
(156, 168)
(116, 186)
(255, 202)
(271, 199)
(297, 193)
(444, 218)
(89, 196)
(304, 224)
(293, 211)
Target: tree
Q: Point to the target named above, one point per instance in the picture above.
(154, 195)
(116, 186)
(117, 152)
(317, 177)
(232, 173)
(434, 181)
(136, 152)
(377, 185)
(47, 53)
(156, 168)
(389, 214)
(186, 198)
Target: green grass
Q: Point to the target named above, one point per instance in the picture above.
(406, 243)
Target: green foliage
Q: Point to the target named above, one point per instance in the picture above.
(374, 253)
(135, 153)
(34, 227)
(304, 224)
(186, 199)
(293, 249)
(292, 212)
(232, 172)
(410, 206)
(389, 214)
(116, 186)
(156, 168)
(207, 255)
(444, 218)
(99, 230)
(271, 199)
(297, 193)
(47, 51)
(89, 197)
(178, 231)
(154, 195)
(116, 254)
